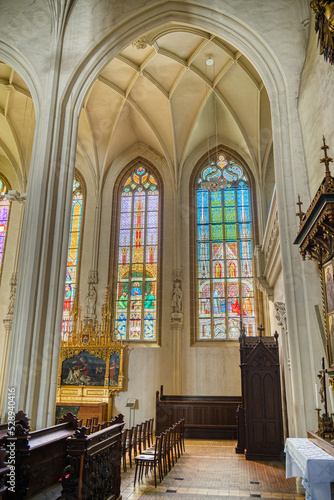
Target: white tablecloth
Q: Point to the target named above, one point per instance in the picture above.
(316, 467)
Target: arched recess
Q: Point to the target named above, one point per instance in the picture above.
(136, 266)
(218, 316)
(73, 266)
(4, 217)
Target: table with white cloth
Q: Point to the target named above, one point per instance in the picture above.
(306, 460)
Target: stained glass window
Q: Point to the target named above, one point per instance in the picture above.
(225, 282)
(4, 214)
(136, 294)
(71, 280)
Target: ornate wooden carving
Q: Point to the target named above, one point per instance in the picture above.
(260, 426)
(316, 230)
(316, 234)
(40, 456)
(324, 26)
(94, 463)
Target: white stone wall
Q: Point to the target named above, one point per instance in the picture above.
(316, 109)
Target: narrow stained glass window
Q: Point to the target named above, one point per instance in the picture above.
(136, 294)
(4, 215)
(71, 280)
(225, 283)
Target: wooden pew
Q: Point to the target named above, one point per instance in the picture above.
(94, 464)
(4, 470)
(40, 456)
(209, 417)
(20, 418)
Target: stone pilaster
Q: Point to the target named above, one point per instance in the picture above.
(176, 325)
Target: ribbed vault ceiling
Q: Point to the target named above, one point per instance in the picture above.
(159, 92)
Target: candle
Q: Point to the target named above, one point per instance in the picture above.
(316, 397)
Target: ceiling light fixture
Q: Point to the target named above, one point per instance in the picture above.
(209, 61)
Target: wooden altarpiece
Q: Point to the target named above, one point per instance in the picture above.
(259, 417)
(90, 366)
(316, 241)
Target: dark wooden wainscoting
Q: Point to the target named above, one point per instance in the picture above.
(207, 417)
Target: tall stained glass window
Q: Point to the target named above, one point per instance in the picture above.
(225, 284)
(136, 294)
(71, 280)
(4, 214)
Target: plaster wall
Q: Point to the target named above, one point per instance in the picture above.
(316, 109)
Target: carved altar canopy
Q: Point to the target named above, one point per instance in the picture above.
(91, 363)
(316, 240)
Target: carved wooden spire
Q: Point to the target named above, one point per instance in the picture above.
(326, 159)
(300, 214)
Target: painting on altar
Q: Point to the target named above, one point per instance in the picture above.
(331, 336)
(83, 369)
(113, 370)
(329, 286)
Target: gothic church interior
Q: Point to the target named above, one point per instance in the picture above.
(153, 153)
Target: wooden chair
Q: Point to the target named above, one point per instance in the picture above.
(134, 441)
(139, 442)
(124, 449)
(149, 462)
(183, 448)
(143, 437)
(95, 420)
(151, 429)
(129, 445)
(147, 433)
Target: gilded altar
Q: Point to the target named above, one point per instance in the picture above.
(91, 363)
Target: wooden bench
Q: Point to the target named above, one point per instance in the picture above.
(94, 464)
(4, 471)
(20, 418)
(40, 456)
(208, 417)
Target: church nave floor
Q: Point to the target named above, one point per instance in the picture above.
(212, 470)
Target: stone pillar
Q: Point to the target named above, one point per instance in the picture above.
(35, 340)
(176, 325)
(300, 279)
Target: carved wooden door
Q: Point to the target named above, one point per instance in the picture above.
(263, 409)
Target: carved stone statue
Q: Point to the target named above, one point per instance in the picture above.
(177, 298)
(91, 301)
(281, 315)
(11, 300)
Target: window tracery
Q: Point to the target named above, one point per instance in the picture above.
(73, 255)
(4, 215)
(224, 276)
(138, 255)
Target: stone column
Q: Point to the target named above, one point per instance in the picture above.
(19, 200)
(35, 340)
(300, 279)
(176, 325)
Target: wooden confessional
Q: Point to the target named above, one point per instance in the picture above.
(259, 417)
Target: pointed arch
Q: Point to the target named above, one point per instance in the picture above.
(4, 216)
(222, 239)
(137, 234)
(74, 252)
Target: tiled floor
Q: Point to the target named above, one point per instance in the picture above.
(212, 470)
(208, 470)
